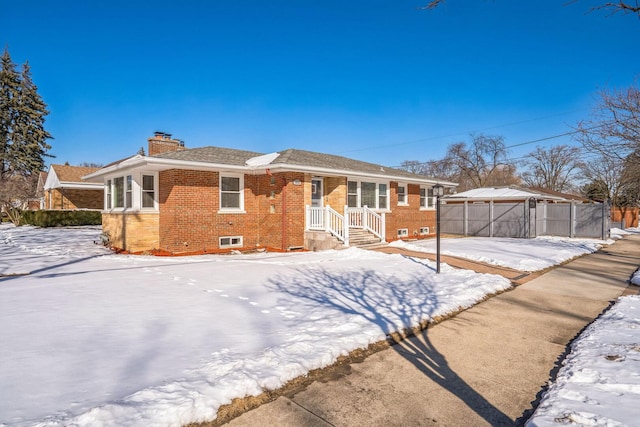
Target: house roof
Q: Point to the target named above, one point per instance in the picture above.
(241, 160)
(69, 177)
(559, 194)
(220, 155)
(501, 193)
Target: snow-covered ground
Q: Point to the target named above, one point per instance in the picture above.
(599, 382)
(91, 338)
(519, 254)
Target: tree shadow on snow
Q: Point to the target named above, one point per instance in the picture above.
(377, 298)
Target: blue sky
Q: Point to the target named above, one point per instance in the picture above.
(380, 81)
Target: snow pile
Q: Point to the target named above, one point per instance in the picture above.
(519, 254)
(599, 383)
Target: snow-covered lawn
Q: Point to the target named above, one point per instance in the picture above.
(90, 338)
(519, 254)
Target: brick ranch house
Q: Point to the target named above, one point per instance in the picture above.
(64, 188)
(214, 199)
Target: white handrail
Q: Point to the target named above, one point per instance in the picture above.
(327, 219)
(335, 224)
(367, 219)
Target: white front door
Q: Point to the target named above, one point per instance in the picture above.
(316, 192)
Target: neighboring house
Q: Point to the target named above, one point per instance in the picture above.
(37, 202)
(213, 199)
(64, 188)
(566, 196)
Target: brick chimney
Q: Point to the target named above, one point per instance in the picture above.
(162, 142)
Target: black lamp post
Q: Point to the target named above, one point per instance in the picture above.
(438, 191)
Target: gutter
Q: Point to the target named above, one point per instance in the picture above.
(139, 161)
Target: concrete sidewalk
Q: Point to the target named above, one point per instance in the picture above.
(485, 366)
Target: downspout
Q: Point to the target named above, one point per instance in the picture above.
(284, 213)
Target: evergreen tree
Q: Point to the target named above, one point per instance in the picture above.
(23, 138)
(9, 88)
(29, 135)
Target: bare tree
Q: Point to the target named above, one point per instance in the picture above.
(553, 169)
(413, 166)
(15, 191)
(478, 163)
(614, 127)
(623, 7)
(604, 176)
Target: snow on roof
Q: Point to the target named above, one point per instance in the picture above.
(487, 193)
(262, 160)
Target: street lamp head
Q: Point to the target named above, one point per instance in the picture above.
(438, 190)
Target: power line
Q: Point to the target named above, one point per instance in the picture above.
(532, 142)
(455, 134)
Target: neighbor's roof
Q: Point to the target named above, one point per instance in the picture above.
(68, 176)
(559, 194)
(500, 193)
(290, 159)
(68, 173)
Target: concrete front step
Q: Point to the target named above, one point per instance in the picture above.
(360, 237)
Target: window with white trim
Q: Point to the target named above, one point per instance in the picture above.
(108, 194)
(402, 194)
(118, 192)
(148, 192)
(132, 192)
(426, 198)
(382, 196)
(230, 242)
(424, 231)
(352, 194)
(231, 193)
(128, 195)
(374, 195)
(403, 232)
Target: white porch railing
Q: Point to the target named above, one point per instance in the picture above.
(367, 219)
(329, 220)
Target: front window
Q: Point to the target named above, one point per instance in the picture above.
(148, 191)
(402, 194)
(129, 191)
(118, 192)
(426, 198)
(370, 194)
(352, 194)
(382, 196)
(230, 193)
(108, 194)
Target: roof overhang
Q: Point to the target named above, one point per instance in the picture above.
(140, 162)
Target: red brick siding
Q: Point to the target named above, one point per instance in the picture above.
(57, 198)
(190, 222)
(409, 217)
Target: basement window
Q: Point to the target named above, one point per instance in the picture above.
(403, 232)
(424, 231)
(230, 242)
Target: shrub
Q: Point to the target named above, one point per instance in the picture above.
(55, 218)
